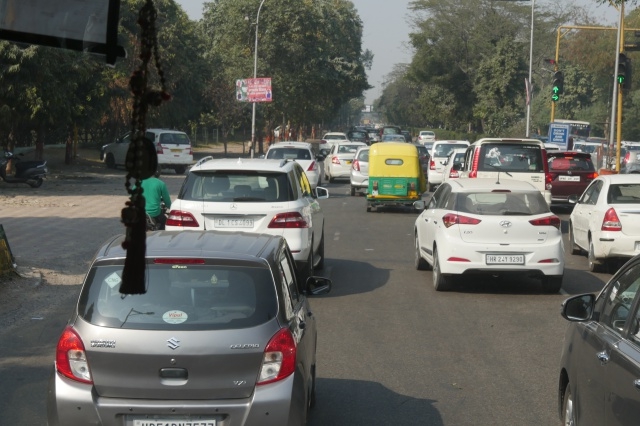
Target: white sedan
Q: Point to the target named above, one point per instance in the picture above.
(605, 221)
(337, 165)
(475, 226)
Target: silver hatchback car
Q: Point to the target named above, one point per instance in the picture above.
(223, 336)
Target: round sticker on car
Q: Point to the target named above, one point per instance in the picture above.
(175, 317)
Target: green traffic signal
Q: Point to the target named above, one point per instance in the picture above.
(558, 86)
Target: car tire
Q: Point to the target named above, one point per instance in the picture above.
(110, 161)
(440, 282)
(594, 266)
(320, 264)
(368, 207)
(308, 269)
(572, 242)
(420, 263)
(353, 191)
(180, 170)
(552, 283)
(568, 407)
(312, 393)
(430, 187)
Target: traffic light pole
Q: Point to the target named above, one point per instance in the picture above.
(617, 96)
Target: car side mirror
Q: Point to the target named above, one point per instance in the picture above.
(317, 286)
(321, 193)
(573, 199)
(419, 205)
(578, 308)
(457, 166)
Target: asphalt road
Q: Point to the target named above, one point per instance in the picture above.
(392, 350)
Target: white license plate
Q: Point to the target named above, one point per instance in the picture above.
(160, 422)
(233, 223)
(505, 259)
(569, 178)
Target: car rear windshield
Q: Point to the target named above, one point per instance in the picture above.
(181, 297)
(444, 149)
(624, 193)
(519, 157)
(572, 164)
(289, 154)
(501, 203)
(240, 186)
(174, 139)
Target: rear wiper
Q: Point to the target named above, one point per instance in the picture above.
(515, 213)
(248, 199)
(134, 312)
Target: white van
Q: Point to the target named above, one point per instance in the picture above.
(502, 158)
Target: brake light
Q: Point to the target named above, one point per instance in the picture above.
(457, 259)
(279, 360)
(627, 156)
(592, 176)
(474, 166)
(312, 167)
(180, 218)
(454, 174)
(335, 160)
(552, 176)
(71, 360)
(432, 165)
(355, 165)
(451, 219)
(178, 261)
(548, 177)
(159, 149)
(288, 220)
(190, 150)
(611, 221)
(547, 221)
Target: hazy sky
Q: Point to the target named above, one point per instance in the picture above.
(386, 31)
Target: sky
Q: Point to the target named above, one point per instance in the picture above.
(386, 32)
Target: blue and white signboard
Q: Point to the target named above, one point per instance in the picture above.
(559, 135)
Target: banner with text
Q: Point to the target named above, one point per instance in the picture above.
(254, 90)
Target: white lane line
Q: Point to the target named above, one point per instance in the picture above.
(336, 236)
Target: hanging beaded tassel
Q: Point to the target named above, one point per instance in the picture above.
(142, 160)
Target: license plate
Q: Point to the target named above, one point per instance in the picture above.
(348, 161)
(160, 422)
(233, 223)
(569, 178)
(176, 150)
(505, 259)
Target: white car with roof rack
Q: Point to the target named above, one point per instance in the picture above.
(254, 195)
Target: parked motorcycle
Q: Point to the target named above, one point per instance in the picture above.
(30, 172)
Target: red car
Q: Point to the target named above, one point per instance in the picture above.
(571, 173)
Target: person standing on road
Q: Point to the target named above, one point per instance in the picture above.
(155, 192)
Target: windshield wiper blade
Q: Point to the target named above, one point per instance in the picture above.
(132, 311)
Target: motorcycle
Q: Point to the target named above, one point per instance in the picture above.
(152, 223)
(30, 172)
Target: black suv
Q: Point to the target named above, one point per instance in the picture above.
(359, 136)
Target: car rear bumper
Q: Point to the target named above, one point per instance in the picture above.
(616, 244)
(475, 256)
(76, 404)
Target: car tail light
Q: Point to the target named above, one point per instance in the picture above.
(451, 219)
(190, 150)
(177, 261)
(457, 259)
(335, 160)
(474, 166)
(312, 167)
(454, 174)
(547, 221)
(355, 165)
(159, 149)
(71, 359)
(627, 156)
(592, 176)
(432, 165)
(552, 260)
(288, 220)
(279, 360)
(548, 178)
(611, 221)
(553, 176)
(180, 218)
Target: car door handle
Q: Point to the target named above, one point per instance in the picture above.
(302, 325)
(603, 357)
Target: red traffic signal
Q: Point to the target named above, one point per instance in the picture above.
(550, 61)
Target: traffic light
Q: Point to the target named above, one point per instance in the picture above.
(624, 71)
(557, 88)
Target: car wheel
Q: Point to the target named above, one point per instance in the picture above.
(180, 170)
(331, 180)
(320, 264)
(572, 242)
(353, 191)
(312, 393)
(594, 266)
(552, 283)
(430, 187)
(110, 161)
(421, 264)
(568, 409)
(308, 269)
(440, 282)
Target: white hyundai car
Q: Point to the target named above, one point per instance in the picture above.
(604, 221)
(302, 153)
(473, 226)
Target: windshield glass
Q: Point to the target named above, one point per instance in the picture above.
(181, 297)
(516, 157)
(247, 186)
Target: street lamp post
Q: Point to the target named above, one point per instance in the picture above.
(255, 75)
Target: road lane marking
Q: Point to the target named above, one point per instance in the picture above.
(336, 236)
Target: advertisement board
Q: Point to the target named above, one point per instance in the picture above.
(254, 90)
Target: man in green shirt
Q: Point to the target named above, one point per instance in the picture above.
(155, 192)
